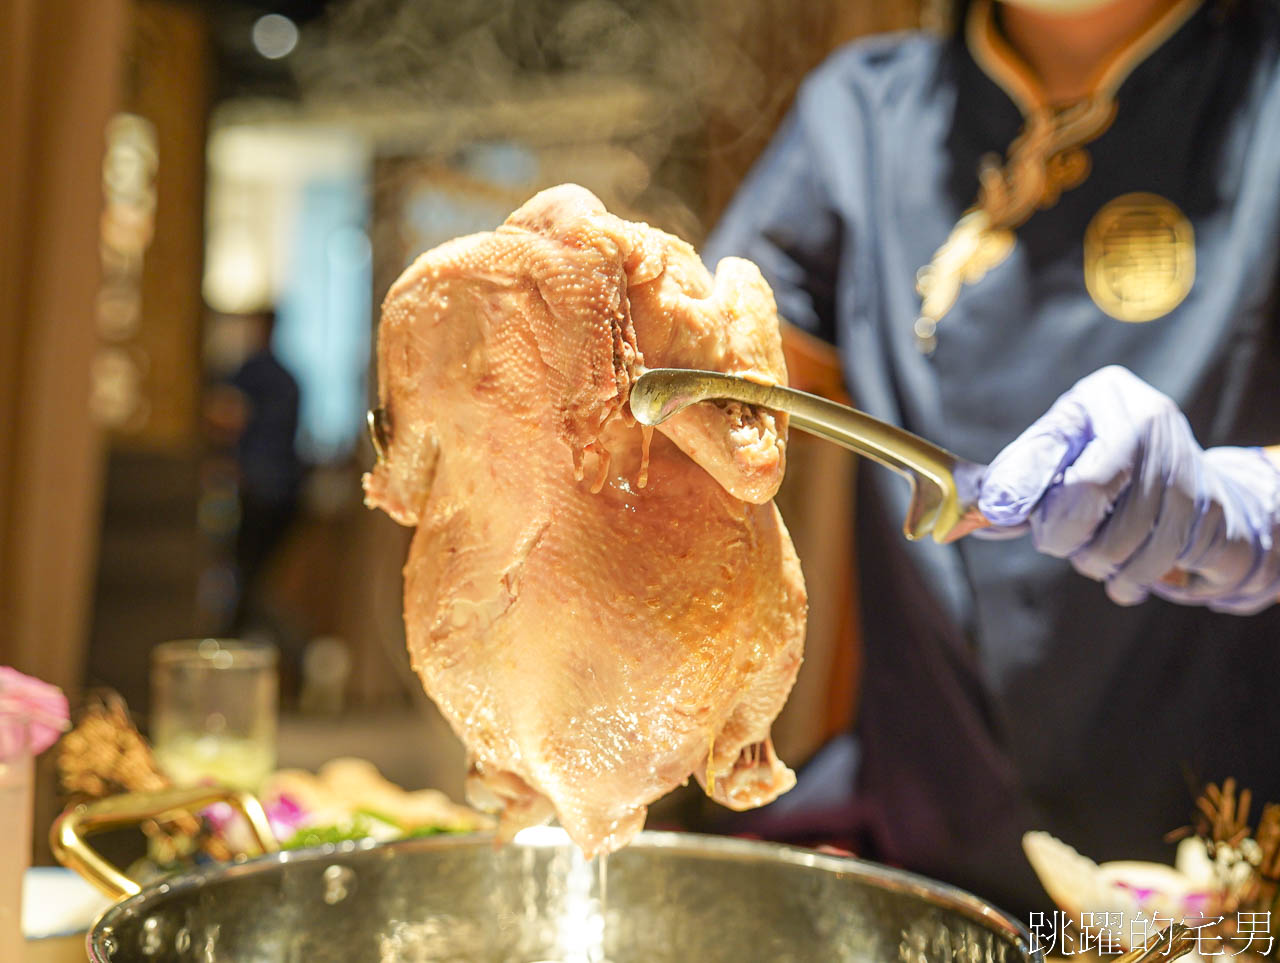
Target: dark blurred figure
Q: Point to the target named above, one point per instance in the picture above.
(255, 411)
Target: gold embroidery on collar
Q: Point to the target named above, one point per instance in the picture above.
(1045, 159)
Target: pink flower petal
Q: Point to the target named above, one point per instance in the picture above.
(32, 712)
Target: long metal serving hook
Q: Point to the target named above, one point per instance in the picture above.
(944, 487)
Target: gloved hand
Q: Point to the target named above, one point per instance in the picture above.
(1112, 478)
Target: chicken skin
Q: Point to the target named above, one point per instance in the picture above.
(598, 609)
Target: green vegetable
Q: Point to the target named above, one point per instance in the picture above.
(380, 817)
(433, 831)
(360, 827)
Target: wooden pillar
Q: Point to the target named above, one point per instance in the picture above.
(59, 82)
(59, 72)
(169, 86)
(151, 552)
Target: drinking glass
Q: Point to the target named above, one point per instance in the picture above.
(213, 711)
(16, 768)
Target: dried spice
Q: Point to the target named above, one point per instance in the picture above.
(1246, 862)
(105, 755)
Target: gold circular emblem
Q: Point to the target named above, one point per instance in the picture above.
(1139, 257)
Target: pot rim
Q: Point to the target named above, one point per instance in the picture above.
(944, 895)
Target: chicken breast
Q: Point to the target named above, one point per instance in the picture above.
(598, 610)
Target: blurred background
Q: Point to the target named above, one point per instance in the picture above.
(201, 206)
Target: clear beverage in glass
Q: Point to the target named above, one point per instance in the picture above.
(213, 711)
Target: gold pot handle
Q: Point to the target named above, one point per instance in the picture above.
(77, 823)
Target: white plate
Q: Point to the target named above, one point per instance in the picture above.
(57, 902)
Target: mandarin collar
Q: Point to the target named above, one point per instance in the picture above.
(1004, 67)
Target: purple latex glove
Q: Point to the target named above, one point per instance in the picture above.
(1112, 478)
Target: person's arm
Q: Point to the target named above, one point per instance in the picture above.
(782, 219)
(1112, 478)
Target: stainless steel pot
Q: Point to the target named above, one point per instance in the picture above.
(668, 896)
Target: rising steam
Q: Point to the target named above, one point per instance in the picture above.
(671, 83)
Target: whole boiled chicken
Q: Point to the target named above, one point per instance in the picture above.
(599, 611)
